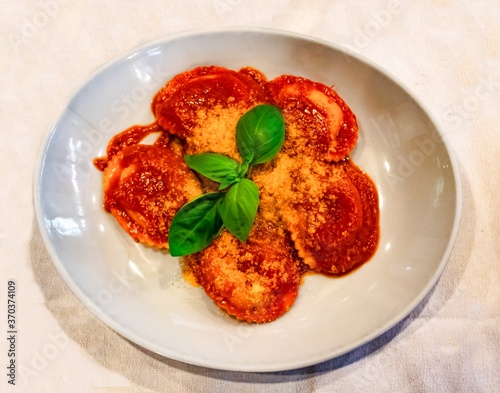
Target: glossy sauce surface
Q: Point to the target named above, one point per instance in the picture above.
(177, 104)
(144, 186)
(319, 122)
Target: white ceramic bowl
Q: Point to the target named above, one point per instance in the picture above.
(140, 293)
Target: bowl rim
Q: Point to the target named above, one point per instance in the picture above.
(193, 33)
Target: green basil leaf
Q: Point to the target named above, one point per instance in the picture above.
(196, 225)
(212, 165)
(239, 208)
(261, 132)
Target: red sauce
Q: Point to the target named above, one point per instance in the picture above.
(144, 187)
(351, 234)
(131, 136)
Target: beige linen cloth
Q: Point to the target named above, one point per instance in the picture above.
(446, 51)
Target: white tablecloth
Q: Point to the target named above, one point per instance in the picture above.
(446, 51)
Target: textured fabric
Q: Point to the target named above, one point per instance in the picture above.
(446, 51)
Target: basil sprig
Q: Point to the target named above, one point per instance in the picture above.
(260, 133)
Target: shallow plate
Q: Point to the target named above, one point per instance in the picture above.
(140, 293)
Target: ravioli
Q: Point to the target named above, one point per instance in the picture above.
(256, 281)
(318, 122)
(144, 187)
(203, 106)
(327, 208)
(339, 231)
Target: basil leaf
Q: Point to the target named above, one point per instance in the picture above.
(261, 132)
(212, 165)
(239, 208)
(196, 225)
